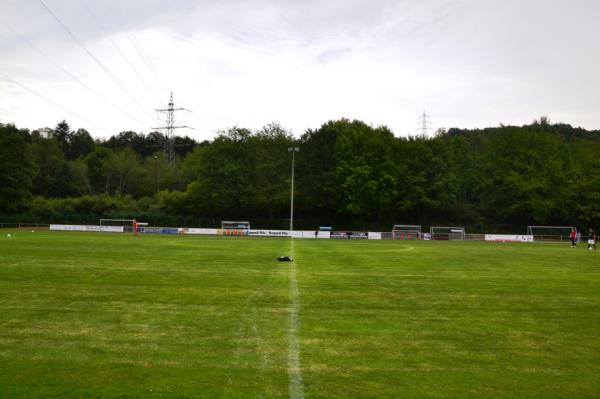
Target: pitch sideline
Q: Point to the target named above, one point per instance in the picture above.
(296, 385)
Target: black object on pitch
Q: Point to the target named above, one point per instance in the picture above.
(285, 259)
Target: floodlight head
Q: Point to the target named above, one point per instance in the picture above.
(294, 149)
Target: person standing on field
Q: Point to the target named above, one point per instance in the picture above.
(573, 237)
(135, 227)
(591, 240)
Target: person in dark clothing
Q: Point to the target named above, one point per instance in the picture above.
(591, 240)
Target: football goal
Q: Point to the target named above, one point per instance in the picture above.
(406, 232)
(447, 233)
(551, 233)
(116, 222)
(126, 223)
(233, 225)
(234, 228)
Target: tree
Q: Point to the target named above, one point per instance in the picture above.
(52, 177)
(81, 143)
(124, 167)
(270, 169)
(62, 134)
(524, 176)
(223, 175)
(81, 183)
(316, 186)
(16, 169)
(427, 188)
(98, 175)
(158, 171)
(584, 190)
(183, 145)
(366, 171)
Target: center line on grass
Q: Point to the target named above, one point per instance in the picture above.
(296, 386)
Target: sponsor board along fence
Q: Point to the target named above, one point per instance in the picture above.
(308, 234)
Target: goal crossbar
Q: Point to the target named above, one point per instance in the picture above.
(406, 232)
(234, 224)
(552, 233)
(447, 232)
(102, 221)
(406, 227)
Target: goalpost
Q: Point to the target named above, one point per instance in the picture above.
(116, 222)
(235, 228)
(128, 224)
(406, 232)
(551, 233)
(447, 233)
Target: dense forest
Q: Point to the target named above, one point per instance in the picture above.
(348, 174)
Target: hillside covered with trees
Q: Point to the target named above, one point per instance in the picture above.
(348, 174)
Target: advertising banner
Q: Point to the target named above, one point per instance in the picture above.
(349, 234)
(209, 232)
(269, 233)
(508, 238)
(66, 227)
(73, 227)
(111, 229)
(159, 230)
(309, 234)
(374, 235)
(232, 232)
(324, 234)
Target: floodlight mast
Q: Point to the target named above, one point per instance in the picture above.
(293, 150)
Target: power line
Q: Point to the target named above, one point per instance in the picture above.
(137, 45)
(89, 10)
(66, 72)
(53, 103)
(98, 62)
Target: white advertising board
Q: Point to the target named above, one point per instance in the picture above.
(286, 233)
(269, 233)
(373, 235)
(209, 232)
(74, 227)
(508, 238)
(111, 229)
(309, 234)
(66, 227)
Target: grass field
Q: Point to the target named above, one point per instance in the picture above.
(116, 316)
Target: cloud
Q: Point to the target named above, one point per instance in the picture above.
(250, 62)
(332, 55)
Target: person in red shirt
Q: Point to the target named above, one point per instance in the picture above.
(135, 227)
(573, 237)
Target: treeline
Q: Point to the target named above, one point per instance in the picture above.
(347, 174)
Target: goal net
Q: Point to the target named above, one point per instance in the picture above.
(234, 228)
(127, 224)
(406, 232)
(116, 222)
(551, 233)
(447, 233)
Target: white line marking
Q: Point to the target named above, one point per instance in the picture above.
(296, 386)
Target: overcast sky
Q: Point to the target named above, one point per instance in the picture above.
(468, 63)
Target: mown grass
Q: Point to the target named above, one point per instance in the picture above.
(117, 316)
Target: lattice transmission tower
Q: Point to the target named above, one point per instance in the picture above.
(424, 124)
(169, 128)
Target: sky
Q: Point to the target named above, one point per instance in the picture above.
(107, 65)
